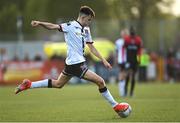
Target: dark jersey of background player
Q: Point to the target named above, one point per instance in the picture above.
(133, 46)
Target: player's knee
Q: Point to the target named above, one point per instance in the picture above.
(59, 86)
(101, 82)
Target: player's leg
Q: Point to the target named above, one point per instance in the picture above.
(134, 69)
(99, 81)
(132, 84)
(93, 77)
(126, 82)
(61, 81)
(121, 83)
(46, 83)
(51, 83)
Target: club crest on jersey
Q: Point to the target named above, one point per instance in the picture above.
(132, 41)
(80, 34)
(86, 31)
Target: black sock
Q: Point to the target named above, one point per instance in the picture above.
(102, 90)
(49, 83)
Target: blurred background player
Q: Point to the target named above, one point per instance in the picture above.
(120, 61)
(132, 46)
(77, 34)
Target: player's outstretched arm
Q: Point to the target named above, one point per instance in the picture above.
(97, 54)
(46, 25)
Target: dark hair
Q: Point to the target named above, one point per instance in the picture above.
(87, 11)
(132, 31)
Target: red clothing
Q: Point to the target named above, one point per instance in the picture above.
(132, 46)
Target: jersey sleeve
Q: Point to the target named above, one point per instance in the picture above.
(140, 46)
(139, 50)
(88, 38)
(64, 27)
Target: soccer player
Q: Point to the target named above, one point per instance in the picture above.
(132, 46)
(77, 34)
(120, 60)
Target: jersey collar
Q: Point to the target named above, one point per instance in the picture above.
(79, 24)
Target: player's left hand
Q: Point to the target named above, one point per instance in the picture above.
(106, 64)
(35, 23)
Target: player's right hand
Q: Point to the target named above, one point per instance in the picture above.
(106, 64)
(34, 23)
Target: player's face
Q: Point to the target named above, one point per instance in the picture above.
(87, 20)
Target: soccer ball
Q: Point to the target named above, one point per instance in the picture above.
(125, 113)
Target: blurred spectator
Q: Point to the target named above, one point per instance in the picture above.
(57, 57)
(177, 65)
(112, 72)
(145, 60)
(178, 54)
(170, 68)
(3, 55)
(37, 57)
(26, 57)
(152, 67)
(15, 58)
(152, 71)
(101, 70)
(3, 62)
(110, 58)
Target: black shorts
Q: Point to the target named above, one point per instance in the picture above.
(77, 70)
(132, 66)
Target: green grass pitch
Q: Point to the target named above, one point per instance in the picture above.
(83, 103)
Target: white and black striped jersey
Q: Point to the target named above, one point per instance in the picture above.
(76, 36)
(121, 52)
